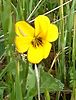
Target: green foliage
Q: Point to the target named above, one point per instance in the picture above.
(2, 88)
(17, 77)
(72, 76)
(48, 82)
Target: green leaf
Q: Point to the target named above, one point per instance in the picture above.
(1, 93)
(31, 85)
(72, 76)
(23, 75)
(9, 68)
(48, 82)
(2, 87)
(5, 15)
(70, 20)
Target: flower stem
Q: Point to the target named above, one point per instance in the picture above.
(38, 83)
(47, 95)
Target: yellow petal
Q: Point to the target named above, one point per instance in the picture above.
(46, 49)
(52, 33)
(22, 43)
(35, 54)
(41, 25)
(22, 28)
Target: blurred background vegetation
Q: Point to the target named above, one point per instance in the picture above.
(58, 71)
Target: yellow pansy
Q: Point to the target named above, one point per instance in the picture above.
(36, 41)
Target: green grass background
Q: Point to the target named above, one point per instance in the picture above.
(57, 75)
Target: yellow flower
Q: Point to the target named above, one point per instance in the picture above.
(36, 41)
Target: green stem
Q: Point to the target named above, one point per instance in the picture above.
(62, 57)
(21, 9)
(73, 60)
(25, 65)
(62, 41)
(38, 83)
(47, 95)
(18, 84)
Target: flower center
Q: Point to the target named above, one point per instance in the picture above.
(37, 41)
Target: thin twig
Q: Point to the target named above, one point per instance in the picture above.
(56, 58)
(2, 57)
(1, 36)
(34, 10)
(57, 7)
(63, 17)
(53, 9)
